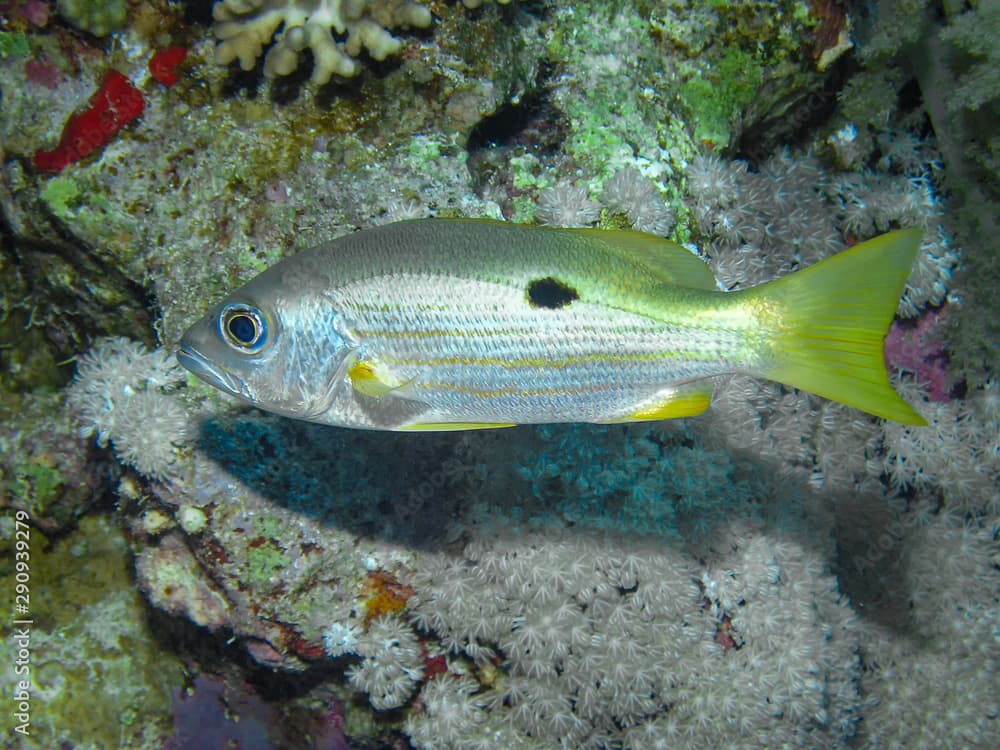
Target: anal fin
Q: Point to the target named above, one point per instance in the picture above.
(451, 426)
(670, 403)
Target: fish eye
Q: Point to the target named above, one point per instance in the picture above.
(243, 327)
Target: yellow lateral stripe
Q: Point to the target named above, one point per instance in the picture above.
(474, 334)
(508, 390)
(412, 307)
(545, 362)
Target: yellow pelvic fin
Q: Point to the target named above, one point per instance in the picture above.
(451, 426)
(369, 379)
(685, 401)
(828, 324)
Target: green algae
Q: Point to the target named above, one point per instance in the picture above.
(61, 195)
(14, 44)
(715, 99)
(35, 485)
(265, 559)
(268, 526)
(264, 563)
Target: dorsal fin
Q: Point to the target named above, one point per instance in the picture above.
(669, 261)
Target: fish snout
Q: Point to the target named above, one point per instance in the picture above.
(209, 371)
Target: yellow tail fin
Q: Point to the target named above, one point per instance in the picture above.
(831, 320)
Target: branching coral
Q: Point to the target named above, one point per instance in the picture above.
(244, 27)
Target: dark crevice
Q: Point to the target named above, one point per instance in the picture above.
(508, 125)
(530, 125)
(793, 123)
(53, 284)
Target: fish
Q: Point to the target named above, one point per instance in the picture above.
(456, 324)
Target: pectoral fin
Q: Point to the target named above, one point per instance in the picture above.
(370, 379)
(671, 403)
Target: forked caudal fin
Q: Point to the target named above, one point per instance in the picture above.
(830, 322)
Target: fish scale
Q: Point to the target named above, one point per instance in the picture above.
(455, 324)
(462, 356)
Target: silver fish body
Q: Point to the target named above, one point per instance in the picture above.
(438, 324)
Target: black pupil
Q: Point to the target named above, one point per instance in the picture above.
(243, 328)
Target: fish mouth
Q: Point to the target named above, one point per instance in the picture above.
(209, 371)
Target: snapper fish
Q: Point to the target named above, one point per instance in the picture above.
(438, 324)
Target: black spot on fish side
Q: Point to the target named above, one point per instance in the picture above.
(551, 293)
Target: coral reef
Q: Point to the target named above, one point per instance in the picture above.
(98, 17)
(393, 663)
(782, 571)
(629, 199)
(90, 629)
(115, 105)
(46, 469)
(949, 58)
(752, 218)
(614, 639)
(245, 26)
(336, 32)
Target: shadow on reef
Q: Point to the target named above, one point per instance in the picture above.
(656, 484)
(645, 488)
(397, 487)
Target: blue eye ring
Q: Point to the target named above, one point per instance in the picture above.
(243, 327)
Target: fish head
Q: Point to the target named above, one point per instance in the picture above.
(280, 352)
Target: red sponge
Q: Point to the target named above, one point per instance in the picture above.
(114, 106)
